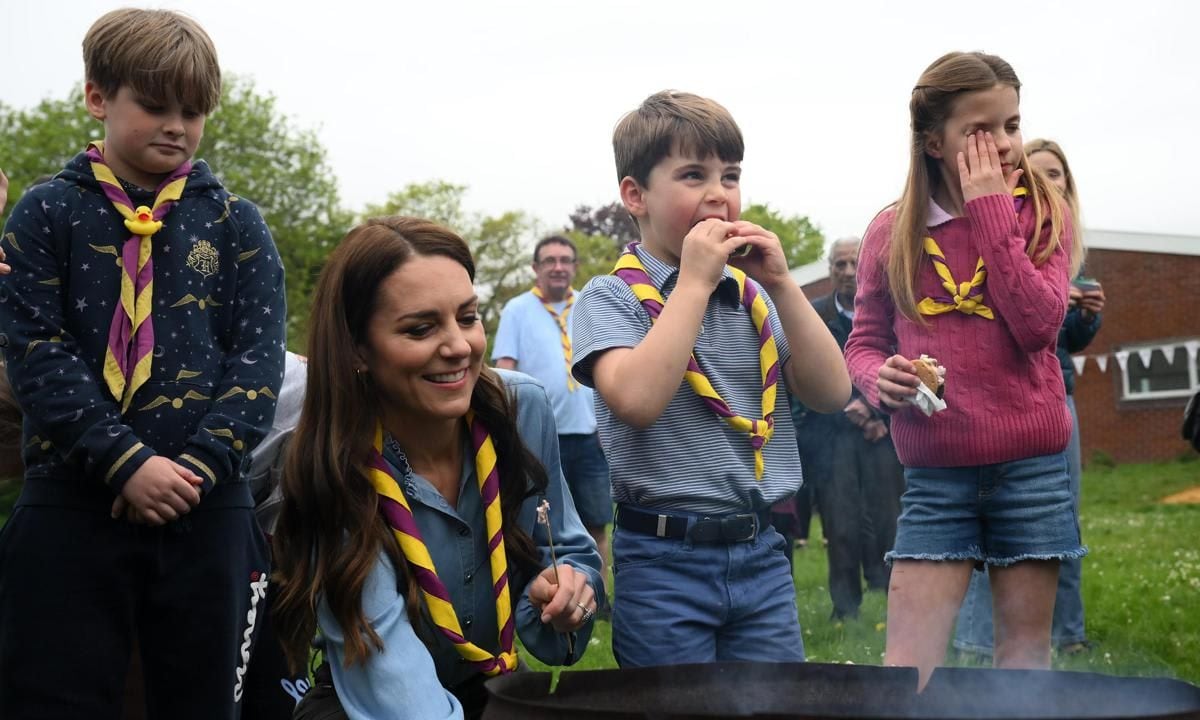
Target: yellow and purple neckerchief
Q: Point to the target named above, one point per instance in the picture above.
(131, 334)
(630, 269)
(398, 515)
(562, 328)
(965, 297)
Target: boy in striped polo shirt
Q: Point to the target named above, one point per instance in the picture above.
(690, 359)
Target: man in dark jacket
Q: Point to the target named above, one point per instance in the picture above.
(850, 458)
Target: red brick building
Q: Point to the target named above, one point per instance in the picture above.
(1143, 365)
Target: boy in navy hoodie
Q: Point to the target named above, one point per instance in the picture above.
(143, 325)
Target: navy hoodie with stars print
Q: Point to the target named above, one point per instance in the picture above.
(219, 323)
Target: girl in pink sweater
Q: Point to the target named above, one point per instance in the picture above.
(971, 266)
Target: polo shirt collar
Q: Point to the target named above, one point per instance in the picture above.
(935, 215)
(664, 276)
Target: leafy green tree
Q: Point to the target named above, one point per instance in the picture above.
(38, 141)
(255, 150)
(599, 234)
(500, 244)
(612, 221)
(260, 154)
(802, 241)
(597, 253)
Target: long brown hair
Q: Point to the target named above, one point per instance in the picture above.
(933, 101)
(330, 532)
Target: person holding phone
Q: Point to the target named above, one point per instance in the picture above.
(1082, 322)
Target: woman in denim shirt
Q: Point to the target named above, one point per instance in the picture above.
(400, 419)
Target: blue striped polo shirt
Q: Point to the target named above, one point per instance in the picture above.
(689, 459)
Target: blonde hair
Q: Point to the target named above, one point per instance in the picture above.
(159, 54)
(1071, 195)
(933, 101)
(668, 121)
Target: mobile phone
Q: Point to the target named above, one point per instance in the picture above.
(1086, 284)
(742, 251)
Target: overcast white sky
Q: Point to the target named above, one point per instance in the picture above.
(518, 100)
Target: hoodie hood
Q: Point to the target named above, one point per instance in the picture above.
(79, 171)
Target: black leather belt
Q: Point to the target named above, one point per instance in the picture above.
(736, 527)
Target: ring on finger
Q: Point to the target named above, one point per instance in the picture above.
(587, 615)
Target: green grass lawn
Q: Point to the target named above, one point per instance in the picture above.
(1141, 584)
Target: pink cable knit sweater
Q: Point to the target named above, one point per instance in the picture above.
(1004, 388)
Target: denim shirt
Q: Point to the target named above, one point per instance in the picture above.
(408, 677)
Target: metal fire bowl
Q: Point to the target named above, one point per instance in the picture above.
(812, 691)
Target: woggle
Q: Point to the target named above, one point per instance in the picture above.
(143, 222)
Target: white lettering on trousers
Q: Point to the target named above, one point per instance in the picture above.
(258, 590)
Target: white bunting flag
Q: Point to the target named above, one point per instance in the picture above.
(1102, 361)
(1172, 355)
(1079, 361)
(1122, 357)
(1193, 346)
(1144, 355)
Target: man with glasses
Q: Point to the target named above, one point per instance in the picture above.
(534, 337)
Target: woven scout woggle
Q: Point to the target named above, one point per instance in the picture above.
(631, 270)
(131, 335)
(965, 297)
(561, 320)
(398, 514)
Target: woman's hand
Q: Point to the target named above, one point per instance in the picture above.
(980, 171)
(1091, 302)
(567, 606)
(897, 382)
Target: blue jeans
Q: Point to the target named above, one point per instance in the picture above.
(675, 601)
(586, 471)
(974, 631)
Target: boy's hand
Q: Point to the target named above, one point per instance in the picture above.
(980, 171)
(4, 267)
(160, 491)
(767, 263)
(897, 382)
(705, 251)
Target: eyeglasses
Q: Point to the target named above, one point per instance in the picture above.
(548, 262)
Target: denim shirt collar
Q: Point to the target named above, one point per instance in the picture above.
(416, 487)
(665, 276)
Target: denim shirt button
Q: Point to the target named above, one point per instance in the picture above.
(468, 576)
(464, 531)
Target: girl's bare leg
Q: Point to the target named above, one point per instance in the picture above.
(1023, 609)
(923, 601)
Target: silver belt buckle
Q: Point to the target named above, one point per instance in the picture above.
(752, 517)
(661, 530)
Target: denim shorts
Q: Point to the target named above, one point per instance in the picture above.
(586, 472)
(996, 514)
